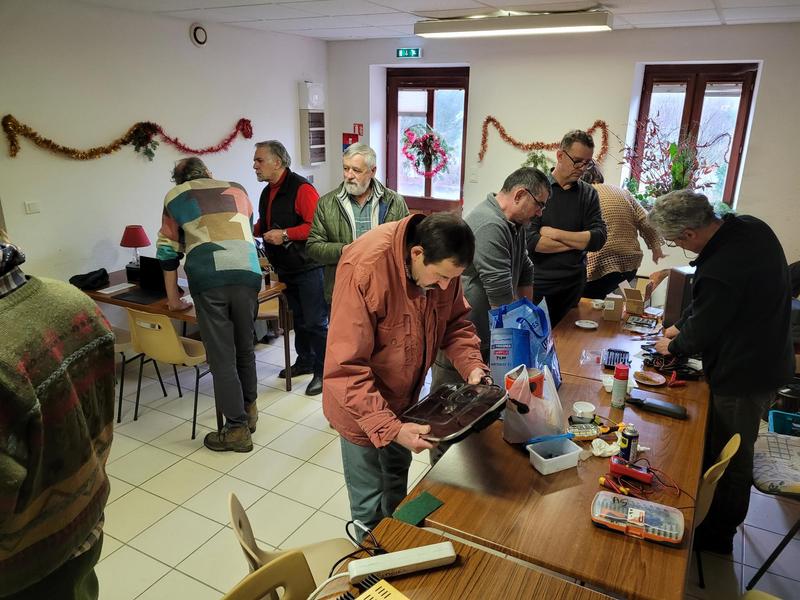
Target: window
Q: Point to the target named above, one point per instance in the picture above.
(436, 98)
(708, 104)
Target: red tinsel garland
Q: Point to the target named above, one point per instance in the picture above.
(490, 120)
(244, 126)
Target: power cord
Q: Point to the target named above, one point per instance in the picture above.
(374, 550)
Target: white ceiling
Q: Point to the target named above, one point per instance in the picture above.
(362, 19)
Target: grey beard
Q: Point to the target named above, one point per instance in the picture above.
(354, 189)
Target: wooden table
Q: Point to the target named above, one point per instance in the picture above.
(267, 292)
(571, 341)
(476, 574)
(494, 497)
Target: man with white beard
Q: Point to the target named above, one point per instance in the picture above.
(358, 205)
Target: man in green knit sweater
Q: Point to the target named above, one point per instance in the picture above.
(56, 426)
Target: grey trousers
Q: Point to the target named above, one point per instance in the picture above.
(376, 479)
(225, 316)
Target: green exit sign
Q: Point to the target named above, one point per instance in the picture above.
(409, 53)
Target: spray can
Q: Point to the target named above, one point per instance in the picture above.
(620, 386)
(629, 444)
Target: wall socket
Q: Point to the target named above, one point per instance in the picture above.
(31, 208)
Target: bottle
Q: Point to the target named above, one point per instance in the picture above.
(629, 444)
(619, 388)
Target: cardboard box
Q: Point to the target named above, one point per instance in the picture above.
(634, 301)
(613, 307)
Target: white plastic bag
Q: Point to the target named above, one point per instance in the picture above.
(527, 416)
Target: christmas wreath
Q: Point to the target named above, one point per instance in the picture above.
(426, 151)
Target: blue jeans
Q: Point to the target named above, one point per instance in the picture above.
(305, 293)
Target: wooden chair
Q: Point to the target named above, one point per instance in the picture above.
(320, 556)
(155, 338)
(122, 345)
(288, 571)
(707, 488)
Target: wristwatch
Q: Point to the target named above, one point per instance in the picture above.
(285, 236)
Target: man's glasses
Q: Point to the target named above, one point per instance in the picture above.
(539, 204)
(671, 243)
(580, 164)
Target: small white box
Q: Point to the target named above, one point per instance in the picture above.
(551, 456)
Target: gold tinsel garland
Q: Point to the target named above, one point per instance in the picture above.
(14, 129)
(490, 120)
(141, 135)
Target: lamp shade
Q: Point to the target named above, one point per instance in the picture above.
(134, 236)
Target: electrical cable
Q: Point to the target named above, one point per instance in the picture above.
(322, 585)
(374, 550)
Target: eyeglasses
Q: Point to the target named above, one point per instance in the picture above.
(671, 243)
(539, 204)
(580, 164)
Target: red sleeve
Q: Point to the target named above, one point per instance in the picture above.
(304, 205)
(257, 230)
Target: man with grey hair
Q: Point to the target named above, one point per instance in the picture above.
(501, 270)
(571, 226)
(211, 222)
(285, 211)
(359, 204)
(739, 321)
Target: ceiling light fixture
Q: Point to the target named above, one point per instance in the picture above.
(528, 24)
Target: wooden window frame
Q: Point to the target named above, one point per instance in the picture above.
(696, 77)
(430, 79)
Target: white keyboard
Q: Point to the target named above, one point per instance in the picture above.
(116, 288)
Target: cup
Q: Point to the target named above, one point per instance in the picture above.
(535, 381)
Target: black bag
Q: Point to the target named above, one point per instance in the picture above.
(93, 280)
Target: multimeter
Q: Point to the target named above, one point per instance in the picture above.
(621, 467)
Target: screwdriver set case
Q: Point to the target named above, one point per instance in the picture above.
(638, 518)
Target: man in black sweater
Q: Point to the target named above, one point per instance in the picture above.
(571, 226)
(739, 321)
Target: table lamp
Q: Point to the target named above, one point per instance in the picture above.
(134, 237)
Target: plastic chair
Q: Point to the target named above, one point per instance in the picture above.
(288, 571)
(707, 488)
(776, 470)
(154, 336)
(320, 556)
(123, 344)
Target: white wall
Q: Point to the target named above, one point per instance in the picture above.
(541, 87)
(82, 76)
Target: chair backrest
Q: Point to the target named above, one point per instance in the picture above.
(712, 475)
(256, 558)
(289, 571)
(156, 337)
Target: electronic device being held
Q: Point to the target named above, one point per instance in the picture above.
(638, 518)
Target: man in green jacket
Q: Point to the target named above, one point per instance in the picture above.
(358, 205)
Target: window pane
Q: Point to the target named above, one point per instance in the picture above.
(409, 182)
(666, 111)
(448, 121)
(714, 138)
(412, 101)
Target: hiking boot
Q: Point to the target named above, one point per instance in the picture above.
(252, 416)
(236, 439)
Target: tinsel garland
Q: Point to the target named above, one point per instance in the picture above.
(140, 135)
(490, 120)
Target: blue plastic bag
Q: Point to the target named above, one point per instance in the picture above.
(521, 334)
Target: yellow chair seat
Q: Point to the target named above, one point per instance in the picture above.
(195, 351)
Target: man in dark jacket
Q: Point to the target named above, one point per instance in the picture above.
(739, 321)
(359, 204)
(285, 211)
(571, 226)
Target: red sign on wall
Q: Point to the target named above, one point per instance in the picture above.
(347, 139)
(358, 128)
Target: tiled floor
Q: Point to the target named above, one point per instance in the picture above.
(167, 534)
